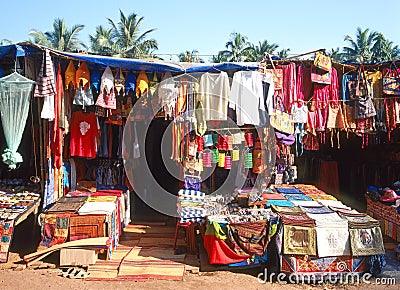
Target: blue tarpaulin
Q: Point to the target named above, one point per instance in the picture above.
(26, 48)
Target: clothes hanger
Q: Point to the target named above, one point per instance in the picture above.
(185, 74)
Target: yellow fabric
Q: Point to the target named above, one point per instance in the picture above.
(119, 81)
(102, 199)
(153, 84)
(142, 84)
(83, 74)
(70, 74)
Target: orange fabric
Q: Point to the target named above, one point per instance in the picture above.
(70, 75)
(83, 74)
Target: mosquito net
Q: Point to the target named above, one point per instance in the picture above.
(15, 91)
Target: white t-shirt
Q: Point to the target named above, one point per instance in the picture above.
(214, 95)
(247, 97)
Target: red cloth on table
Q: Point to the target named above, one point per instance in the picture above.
(220, 253)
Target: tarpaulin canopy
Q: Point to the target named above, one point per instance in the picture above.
(26, 48)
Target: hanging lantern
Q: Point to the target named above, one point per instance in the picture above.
(249, 139)
(221, 159)
(207, 158)
(214, 155)
(248, 159)
(228, 162)
(208, 140)
(199, 165)
(229, 142)
(235, 154)
(237, 138)
(215, 138)
(200, 143)
(192, 149)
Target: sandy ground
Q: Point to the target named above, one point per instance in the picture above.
(51, 279)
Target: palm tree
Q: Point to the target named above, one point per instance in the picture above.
(361, 48)
(257, 52)
(384, 50)
(61, 38)
(190, 56)
(335, 54)
(102, 43)
(283, 53)
(220, 57)
(5, 41)
(129, 42)
(237, 47)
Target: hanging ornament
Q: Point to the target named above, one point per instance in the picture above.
(221, 159)
(214, 155)
(207, 158)
(229, 142)
(248, 159)
(208, 140)
(200, 143)
(238, 138)
(249, 139)
(235, 154)
(228, 162)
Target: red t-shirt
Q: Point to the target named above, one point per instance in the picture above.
(84, 131)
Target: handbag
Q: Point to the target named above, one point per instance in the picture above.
(335, 117)
(320, 76)
(279, 119)
(277, 77)
(322, 61)
(348, 114)
(391, 81)
(363, 105)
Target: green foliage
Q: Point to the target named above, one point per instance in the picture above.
(60, 38)
(123, 38)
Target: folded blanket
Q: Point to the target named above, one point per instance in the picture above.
(97, 208)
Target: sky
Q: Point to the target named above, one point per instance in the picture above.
(205, 26)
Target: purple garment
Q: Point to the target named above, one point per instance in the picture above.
(192, 183)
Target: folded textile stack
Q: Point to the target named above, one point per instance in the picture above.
(321, 196)
(289, 190)
(296, 196)
(333, 203)
(279, 202)
(332, 234)
(285, 209)
(365, 235)
(297, 219)
(316, 209)
(97, 208)
(191, 206)
(305, 203)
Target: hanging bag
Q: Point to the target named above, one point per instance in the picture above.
(363, 105)
(335, 116)
(391, 80)
(322, 61)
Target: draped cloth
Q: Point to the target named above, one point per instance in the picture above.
(15, 91)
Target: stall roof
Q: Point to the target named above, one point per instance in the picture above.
(27, 48)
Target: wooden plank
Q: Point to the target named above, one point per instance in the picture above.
(94, 242)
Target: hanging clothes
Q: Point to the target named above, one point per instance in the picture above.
(84, 131)
(107, 98)
(246, 97)
(82, 76)
(57, 140)
(268, 89)
(303, 83)
(142, 84)
(289, 85)
(45, 86)
(214, 95)
(70, 75)
(167, 94)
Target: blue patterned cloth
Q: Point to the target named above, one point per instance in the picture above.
(289, 190)
(280, 202)
(296, 197)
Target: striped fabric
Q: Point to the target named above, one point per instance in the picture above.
(192, 220)
(45, 85)
(188, 193)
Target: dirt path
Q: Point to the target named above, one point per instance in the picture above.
(50, 279)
